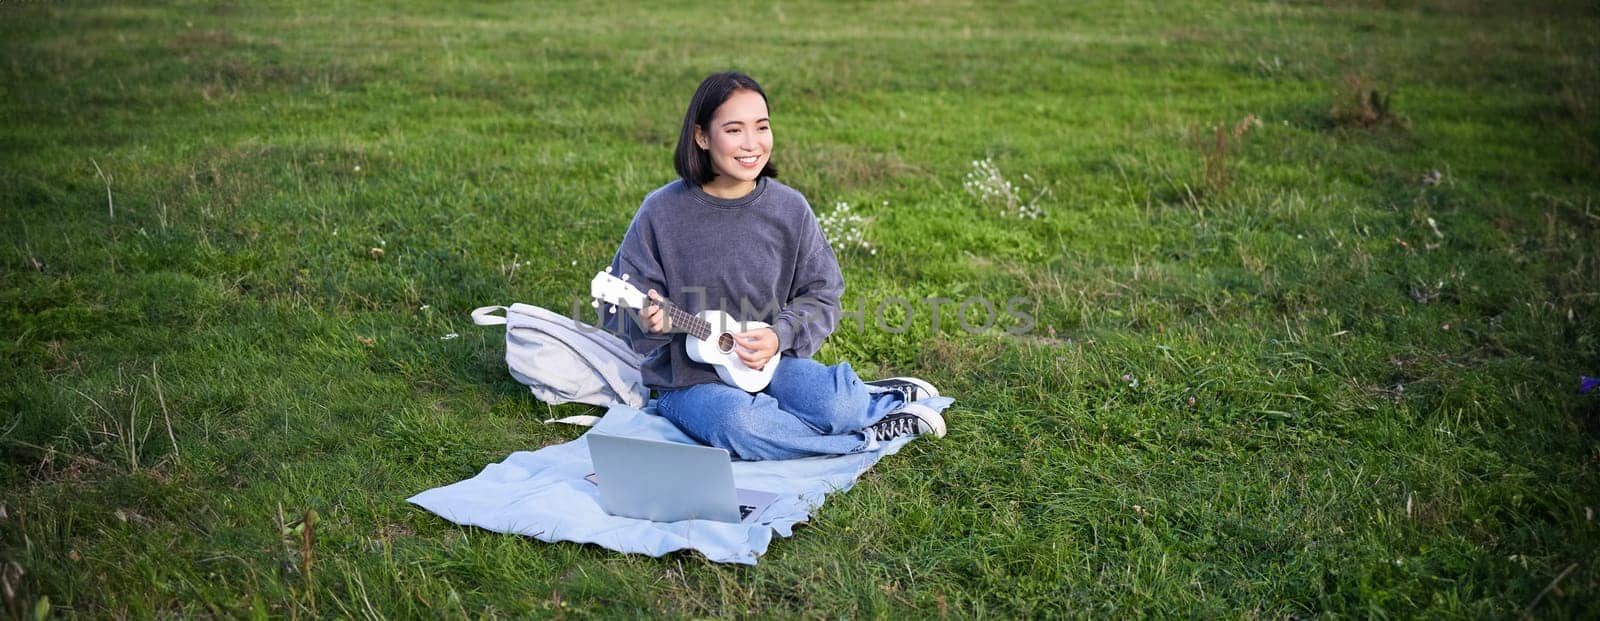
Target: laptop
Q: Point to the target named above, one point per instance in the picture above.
(668, 482)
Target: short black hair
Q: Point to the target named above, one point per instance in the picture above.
(692, 162)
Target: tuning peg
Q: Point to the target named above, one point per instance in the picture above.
(594, 303)
(608, 269)
(613, 310)
(624, 277)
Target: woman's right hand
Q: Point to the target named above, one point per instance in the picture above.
(655, 315)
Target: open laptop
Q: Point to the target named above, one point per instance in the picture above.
(668, 482)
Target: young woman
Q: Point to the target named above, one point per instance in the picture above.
(728, 236)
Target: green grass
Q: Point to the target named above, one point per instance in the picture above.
(1383, 419)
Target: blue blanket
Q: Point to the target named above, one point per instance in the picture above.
(543, 494)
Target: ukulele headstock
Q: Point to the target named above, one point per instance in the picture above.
(616, 291)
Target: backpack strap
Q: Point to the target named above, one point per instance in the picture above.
(484, 316)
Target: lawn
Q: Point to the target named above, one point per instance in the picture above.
(1309, 293)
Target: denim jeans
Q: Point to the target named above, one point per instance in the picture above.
(808, 409)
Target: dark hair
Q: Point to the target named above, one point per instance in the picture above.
(692, 162)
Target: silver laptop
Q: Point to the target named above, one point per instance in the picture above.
(668, 482)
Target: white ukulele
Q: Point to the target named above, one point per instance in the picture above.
(710, 333)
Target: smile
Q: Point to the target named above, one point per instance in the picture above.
(748, 161)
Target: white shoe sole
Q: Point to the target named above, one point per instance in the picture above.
(927, 415)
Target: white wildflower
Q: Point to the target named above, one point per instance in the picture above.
(844, 229)
(992, 189)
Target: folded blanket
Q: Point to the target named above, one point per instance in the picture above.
(543, 494)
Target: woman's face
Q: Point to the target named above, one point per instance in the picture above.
(738, 139)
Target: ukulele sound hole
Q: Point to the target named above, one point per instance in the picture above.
(725, 342)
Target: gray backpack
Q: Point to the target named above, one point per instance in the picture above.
(563, 360)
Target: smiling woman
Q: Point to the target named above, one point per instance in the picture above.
(726, 141)
(738, 143)
(729, 237)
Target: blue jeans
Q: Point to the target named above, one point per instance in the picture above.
(808, 409)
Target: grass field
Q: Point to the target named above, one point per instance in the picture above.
(1313, 284)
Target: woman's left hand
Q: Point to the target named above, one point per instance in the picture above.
(756, 347)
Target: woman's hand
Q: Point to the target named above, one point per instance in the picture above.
(756, 347)
(655, 315)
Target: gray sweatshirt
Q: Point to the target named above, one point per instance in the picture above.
(760, 257)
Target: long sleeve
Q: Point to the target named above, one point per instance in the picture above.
(637, 258)
(812, 312)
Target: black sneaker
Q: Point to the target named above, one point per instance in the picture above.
(908, 421)
(909, 387)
